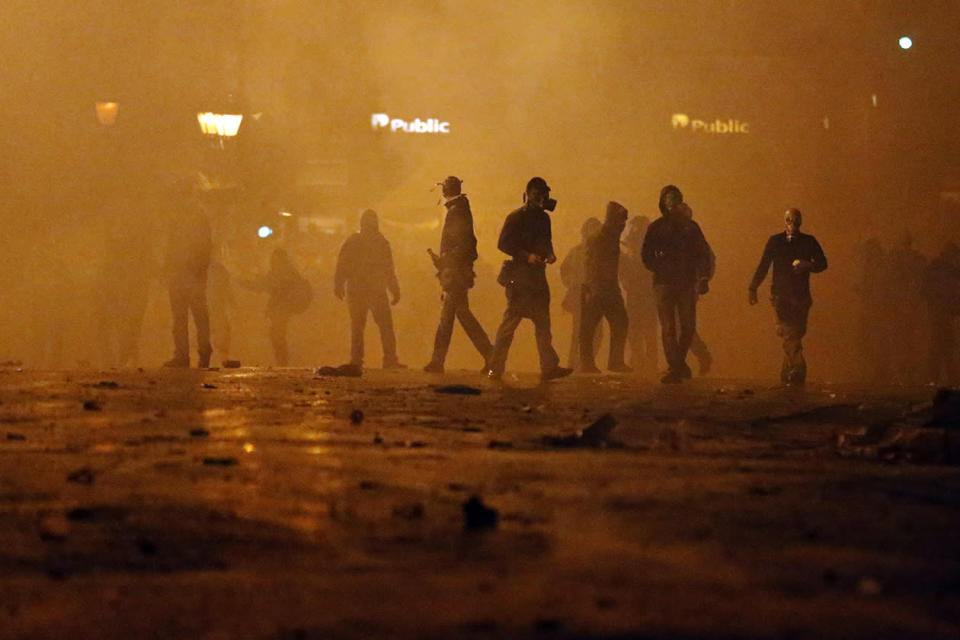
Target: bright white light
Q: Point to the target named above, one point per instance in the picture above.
(286, 214)
(905, 42)
(264, 231)
(219, 124)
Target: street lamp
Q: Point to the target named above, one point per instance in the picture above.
(223, 125)
(107, 113)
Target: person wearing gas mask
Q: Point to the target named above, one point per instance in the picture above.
(794, 257)
(186, 263)
(526, 237)
(600, 295)
(365, 274)
(458, 251)
(677, 253)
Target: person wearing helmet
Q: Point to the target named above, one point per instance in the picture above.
(794, 257)
(365, 274)
(527, 238)
(601, 297)
(458, 251)
(675, 250)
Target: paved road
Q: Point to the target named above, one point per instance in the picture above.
(249, 504)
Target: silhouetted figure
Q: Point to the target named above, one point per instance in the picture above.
(289, 294)
(641, 304)
(905, 277)
(941, 288)
(186, 264)
(526, 237)
(222, 303)
(875, 312)
(458, 251)
(794, 256)
(601, 297)
(572, 273)
(365, 272)
(676, 251)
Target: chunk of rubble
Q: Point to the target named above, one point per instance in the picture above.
(459, 389)
(901, 443)
(596, 435)
(477, 516)
(343, 371)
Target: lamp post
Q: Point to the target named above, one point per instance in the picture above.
(221, 125)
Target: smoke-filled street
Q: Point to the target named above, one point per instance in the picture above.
(261, 503)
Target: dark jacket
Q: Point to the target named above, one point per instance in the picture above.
(527, 231)
(602, 271)
(365, 265)
(458, 245)
(188, 247)
(676, 251)
(782, 252)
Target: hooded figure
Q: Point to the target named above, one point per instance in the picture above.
(675, 250)
(572, 273)
(365, 274)
(289, 294)
(601, 297)
(458, 251)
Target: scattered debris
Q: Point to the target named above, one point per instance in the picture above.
(547, 625)
(869, 587)
(83, 475)
(231, 364)
(16, 436)
(675, 437)
(207, 385)
(478, 516)
(500, 444)
(459, 389)
(91, 405)
(377, 439)
(412, 511)
(344, 370)
(370, 485)
(596, 435)
(106, 384)
(356, 416)
(417, 444)
(457, 486)
(765, 490)
(79, 514)
(199, 433)
(219, 462)
(894, 443)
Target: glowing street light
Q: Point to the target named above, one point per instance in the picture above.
(224, 125)
(264, 231)
(107, 113)
(906, 43)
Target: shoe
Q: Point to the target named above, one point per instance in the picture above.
(620, 368)
(394, 365)
(672, 377)
(590, 369)
(433, 367)
(204, 361)
(177, 363)
(553, 374)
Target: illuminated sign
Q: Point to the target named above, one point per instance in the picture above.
(381, 121)
(681, 121)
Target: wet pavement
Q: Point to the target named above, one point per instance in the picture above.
(259, 503)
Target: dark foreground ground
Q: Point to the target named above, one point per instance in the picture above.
(248, 504)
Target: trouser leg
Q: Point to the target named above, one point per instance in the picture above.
(504, 337)
(472, 327)
(667, 312)
(540, 314)
(591, 311)
(441, 342)
(380, 309)
(179, 308)
(573, 359)
(201, 320)
(358, 321)
(278, 338)
(687, 317)
(616, 314)
(792, 327)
